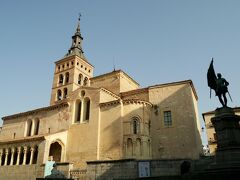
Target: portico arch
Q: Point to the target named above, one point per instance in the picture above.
(56, 151)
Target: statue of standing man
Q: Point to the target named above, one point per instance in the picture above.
(219, 84)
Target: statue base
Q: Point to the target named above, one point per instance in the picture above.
(227, 129)
(226, 163)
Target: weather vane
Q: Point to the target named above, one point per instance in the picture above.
(79, 16)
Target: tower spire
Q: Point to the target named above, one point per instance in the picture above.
(76, 48)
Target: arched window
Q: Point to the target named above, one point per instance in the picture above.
(86, 109)
(9, 156)
(29, 127)
(36, 129)
(55, 151)
(80, 78)
(135, 125)
(85, 83)
(78, 110)
(59, 95)
(28, 155)
(15, 157)
(67, 77)
(129, 148)
(35, 155)
(3, 157)
(60, 79)
(65, 93)
(21, 156)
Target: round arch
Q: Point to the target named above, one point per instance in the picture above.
(56, 150)
(136, 117)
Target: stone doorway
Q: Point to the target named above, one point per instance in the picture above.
(55, 152)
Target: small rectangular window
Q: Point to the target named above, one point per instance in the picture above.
(167, 118)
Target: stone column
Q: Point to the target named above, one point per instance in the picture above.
(18, 155)
(12, 156)
(134, 148)
(6, 157)
(1, 153)
(24, 155)
(32, 150)
(125, 149)
(64, 78)
(150, 148)
(82, 110)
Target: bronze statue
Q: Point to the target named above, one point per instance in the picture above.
(219, 84)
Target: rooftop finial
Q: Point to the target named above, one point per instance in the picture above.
(78, 24)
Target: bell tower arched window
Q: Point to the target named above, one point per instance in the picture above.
(67, 78)
(85, 83)
(80, 78)
(60, 79)
(59, 95)
(65, 93)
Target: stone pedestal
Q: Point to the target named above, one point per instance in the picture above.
(227, 129)
(226, 163)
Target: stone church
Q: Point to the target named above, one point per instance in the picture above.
(105, 117)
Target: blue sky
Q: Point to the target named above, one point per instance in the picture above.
(155, 42)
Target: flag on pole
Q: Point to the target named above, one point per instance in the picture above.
(211, 77)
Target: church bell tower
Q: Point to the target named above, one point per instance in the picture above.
(72, 71)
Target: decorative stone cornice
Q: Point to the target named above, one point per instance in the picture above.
(72, 57)
(20, 140)
(32, 112)
(136, 101)
(125, 101)
(110, 103)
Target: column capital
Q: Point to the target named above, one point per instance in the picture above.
(1, 151)
(13, 149)
(25, 148)
(6, 151)
(32, 149)
(19, 149)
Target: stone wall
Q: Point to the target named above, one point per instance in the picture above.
(30, 172)
(27, 172)
(182, 138)
(128, 168)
